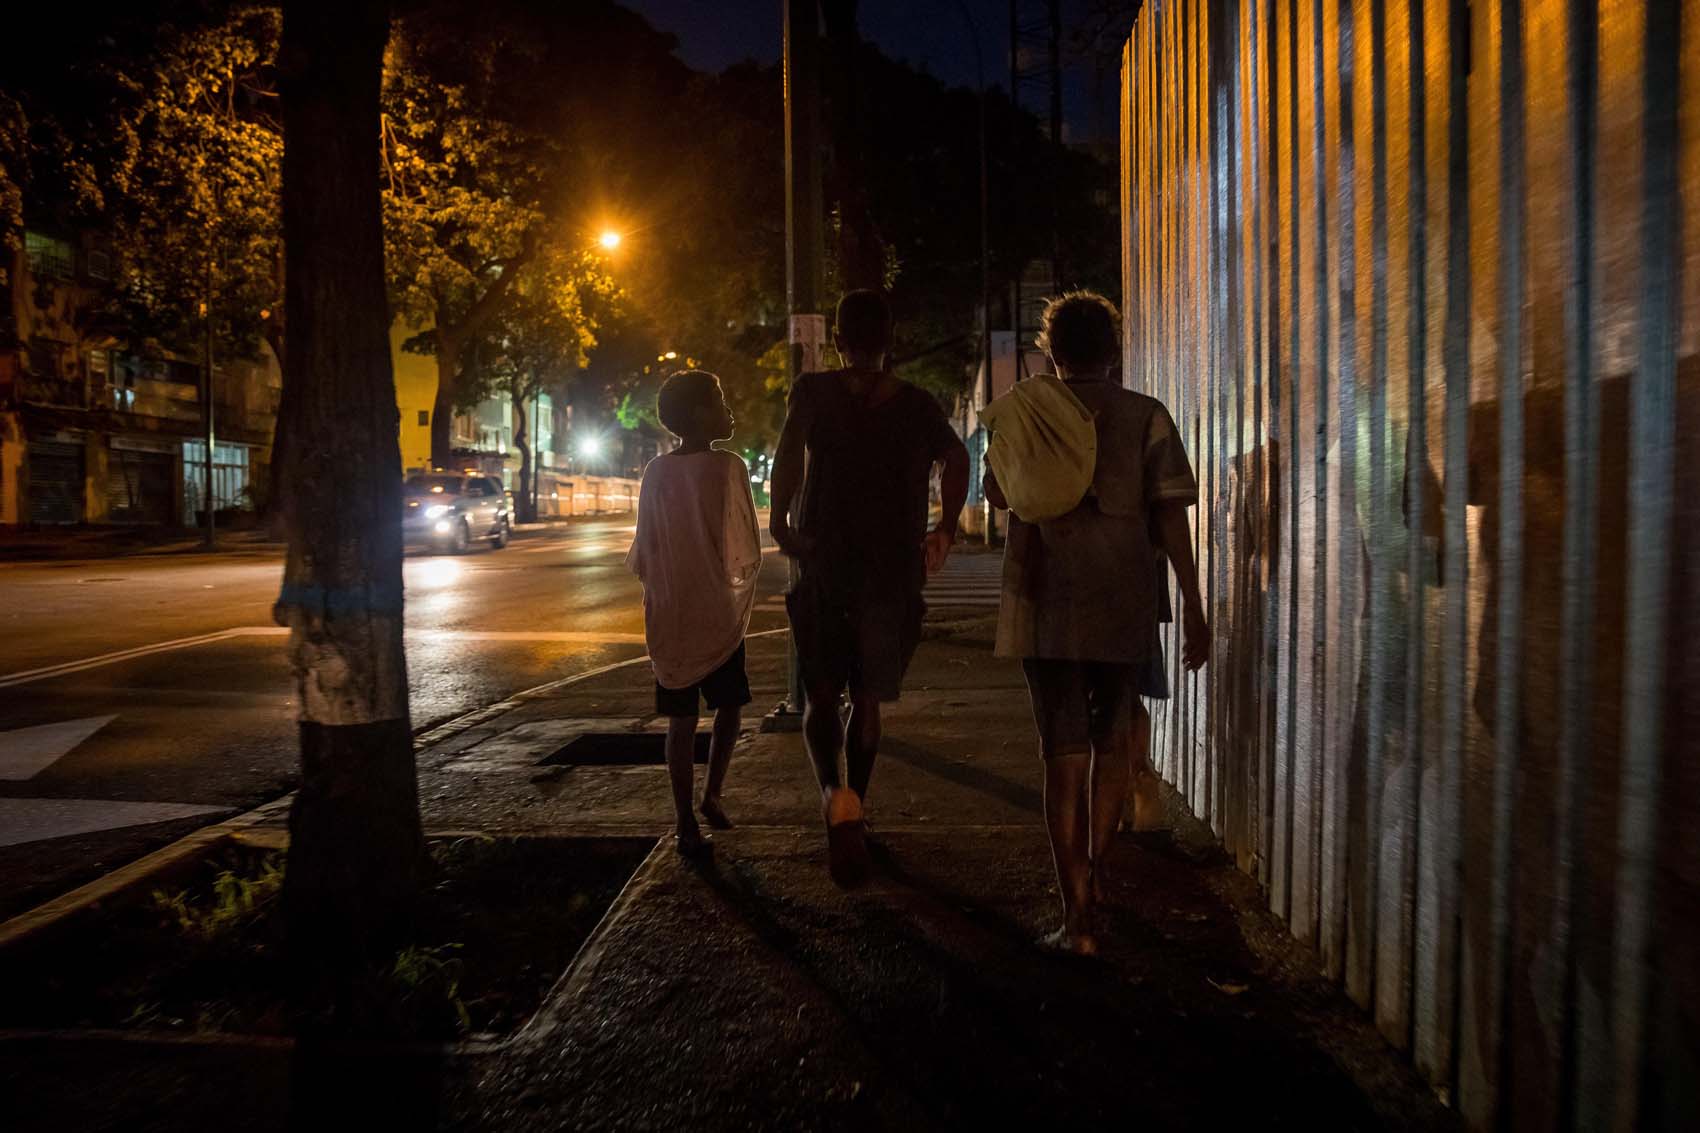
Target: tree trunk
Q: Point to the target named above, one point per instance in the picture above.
(525, 501)
(356, 856)
(443, 406)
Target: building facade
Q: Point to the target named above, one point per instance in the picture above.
(94, 431)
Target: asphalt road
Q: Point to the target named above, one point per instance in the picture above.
(143, 697)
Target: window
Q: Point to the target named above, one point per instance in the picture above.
(100, 266)
(48, 258)
(475, 487)
(424, 418)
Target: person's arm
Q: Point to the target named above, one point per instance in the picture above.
(1174, 536)
(994, 491)
(635, 557)
(952, 494)
(786, 478)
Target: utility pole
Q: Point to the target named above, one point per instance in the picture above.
(804, 248)
(1035, 85)
(207, 408)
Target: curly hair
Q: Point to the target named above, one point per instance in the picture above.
(1081, 331)
(681, 395)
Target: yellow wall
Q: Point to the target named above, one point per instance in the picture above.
(415, 390)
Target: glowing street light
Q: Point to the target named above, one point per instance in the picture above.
(589, 448)
(609, 239)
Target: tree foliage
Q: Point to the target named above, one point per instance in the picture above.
(195, 216)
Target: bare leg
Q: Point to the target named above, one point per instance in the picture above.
(823, 735)
(862, 742)
(1068, 819)
(1109, 794)
(725, 735)
(1146, 796)
(681, 750)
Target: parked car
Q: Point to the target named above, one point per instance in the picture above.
(449, 510)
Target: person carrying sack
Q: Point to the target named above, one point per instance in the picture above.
(1044, 447)
(1081, 590)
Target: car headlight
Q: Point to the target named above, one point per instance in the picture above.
(435, 510)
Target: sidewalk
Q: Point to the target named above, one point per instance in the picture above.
(753, 994)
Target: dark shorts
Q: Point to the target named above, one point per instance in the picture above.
(1082, 705)
(863, 642)
(726, 687)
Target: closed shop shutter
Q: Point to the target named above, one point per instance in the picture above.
(138, 486)
(56, 482)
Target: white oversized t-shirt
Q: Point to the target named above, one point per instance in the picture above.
(698, 554)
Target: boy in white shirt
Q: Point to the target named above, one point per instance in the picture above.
(698, 554)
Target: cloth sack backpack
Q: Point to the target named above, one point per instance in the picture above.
(1044, 447)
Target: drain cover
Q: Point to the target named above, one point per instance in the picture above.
(619, 749)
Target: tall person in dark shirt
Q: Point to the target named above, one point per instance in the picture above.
(857, 523)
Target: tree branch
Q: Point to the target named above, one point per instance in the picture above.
(489, 302)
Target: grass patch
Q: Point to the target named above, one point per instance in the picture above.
(501, 919)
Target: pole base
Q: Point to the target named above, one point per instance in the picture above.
(783, 718)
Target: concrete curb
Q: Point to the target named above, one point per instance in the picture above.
(107, 885)
(557, 1002)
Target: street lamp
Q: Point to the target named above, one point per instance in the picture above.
(610, 239)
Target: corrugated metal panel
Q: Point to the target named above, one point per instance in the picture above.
(1436, 367)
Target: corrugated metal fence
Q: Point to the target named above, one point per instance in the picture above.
(1421, 284)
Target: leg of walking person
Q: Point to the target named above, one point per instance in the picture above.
(1109, 795)
(1068, 820)
(1145, 790)
(681, 754)
(727, 721)
(1111, 699)
(823, 734)
(862, 741)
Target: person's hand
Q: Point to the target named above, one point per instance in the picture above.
(937, 547)
(789, 541)
(1195, 647)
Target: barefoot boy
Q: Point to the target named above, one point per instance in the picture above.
(698, 554)
(1081, 595)
(857, 525)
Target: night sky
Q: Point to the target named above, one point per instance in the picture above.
(929, 34)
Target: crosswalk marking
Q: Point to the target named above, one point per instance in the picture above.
(34, 820)
(26, 752)
(966, 582)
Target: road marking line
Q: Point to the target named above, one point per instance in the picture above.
(67, 668)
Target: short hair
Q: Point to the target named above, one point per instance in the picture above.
(864, 321)
(1081, 331)
(681, 395)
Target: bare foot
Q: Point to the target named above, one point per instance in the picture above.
(1073, 943)
(712, 811)
(693, 845)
